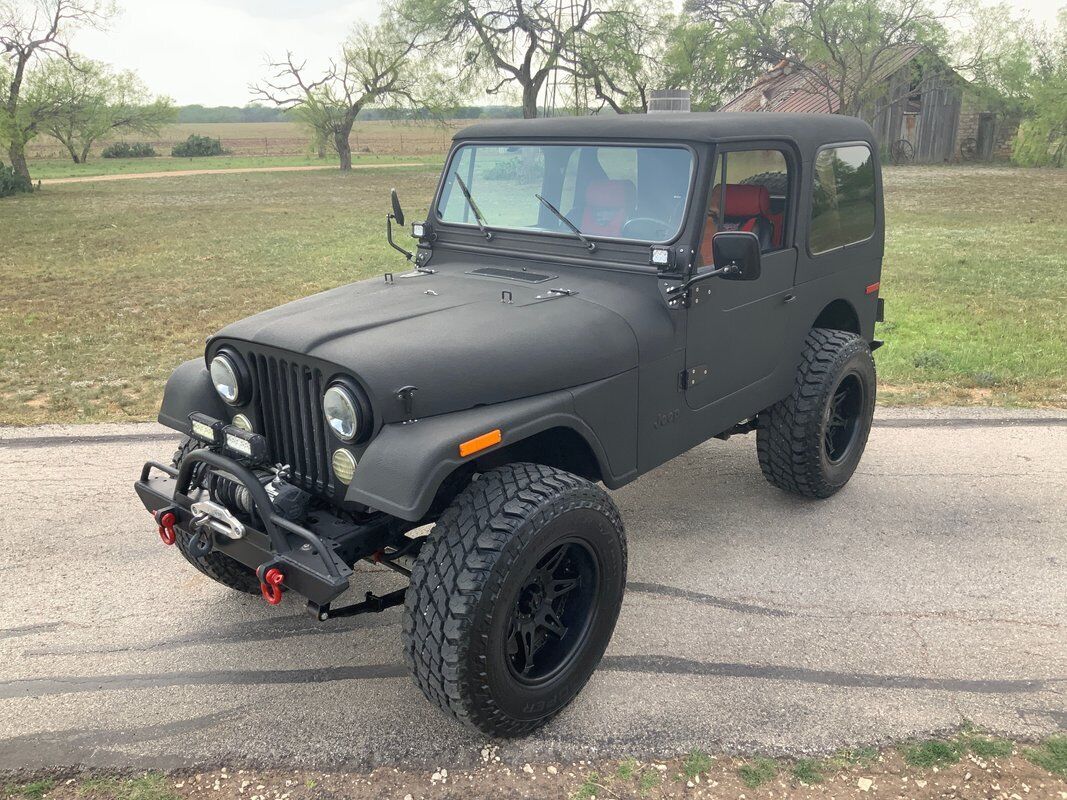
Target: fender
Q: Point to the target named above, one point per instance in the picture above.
(189, 389)
(405, 464)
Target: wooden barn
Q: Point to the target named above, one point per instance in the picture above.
(922, 115)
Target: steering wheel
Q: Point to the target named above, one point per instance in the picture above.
(645, 228)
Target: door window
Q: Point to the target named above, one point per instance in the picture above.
(843, 201)
(750, 192)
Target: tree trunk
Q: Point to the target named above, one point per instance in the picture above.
(344, 149)
(16, 154)
(529, 100)
(85, 152)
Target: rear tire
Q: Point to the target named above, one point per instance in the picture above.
(217, 566)
(514, 597)
(811, 442)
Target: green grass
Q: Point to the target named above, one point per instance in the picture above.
(34, 790)
(809, 771)
(151, 786)
(1051, 755)
(589, 788)
(695, 763)
(106, 286)
(975, 284)
(757, 772)
(932, 753)
(47, 169)
(984, 747)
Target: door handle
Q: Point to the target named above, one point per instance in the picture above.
(789, 298)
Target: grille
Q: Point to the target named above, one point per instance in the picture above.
(288, 396)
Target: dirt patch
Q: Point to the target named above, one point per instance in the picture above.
(859, 774)
(232, 171)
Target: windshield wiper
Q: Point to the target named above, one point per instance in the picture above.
(474, 207)
(568, 223)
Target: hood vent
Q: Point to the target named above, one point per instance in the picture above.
(511, 274)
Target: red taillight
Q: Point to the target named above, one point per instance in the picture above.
(872, 288)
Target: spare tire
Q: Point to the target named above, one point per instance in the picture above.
(777, 183)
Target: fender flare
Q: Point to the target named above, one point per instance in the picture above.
(404, 465)
(189, 389)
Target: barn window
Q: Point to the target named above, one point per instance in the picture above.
(843, 203)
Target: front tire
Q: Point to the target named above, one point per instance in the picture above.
(514, 597)
(811, 442)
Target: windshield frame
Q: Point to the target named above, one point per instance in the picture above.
(644, 244)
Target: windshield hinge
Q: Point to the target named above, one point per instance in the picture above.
(550, 293)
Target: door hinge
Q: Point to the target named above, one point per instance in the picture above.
(689, 378)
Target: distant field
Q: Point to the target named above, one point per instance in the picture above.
(283, 138)
(105, 287)
(46, 169)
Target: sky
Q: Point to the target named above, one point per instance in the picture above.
(209, 51)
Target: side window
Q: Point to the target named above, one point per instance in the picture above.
(750, 192)
(843, 199)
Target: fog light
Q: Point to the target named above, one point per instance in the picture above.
(418, 230)
(660, 257)
(247, 445)
(242, 422)
(344, 466)
(205, 428)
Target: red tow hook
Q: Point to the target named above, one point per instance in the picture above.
(166, 521)
(271, 586)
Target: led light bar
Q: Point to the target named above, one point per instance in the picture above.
(205, 428)
(247, 445)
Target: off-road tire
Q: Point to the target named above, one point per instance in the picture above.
(790, 443)
(466, 584)
(215, 565)
(777, 183)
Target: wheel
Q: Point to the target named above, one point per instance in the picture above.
(811, 442)
(777, 183)
(215, 565)
(514, 597)
(901, 152)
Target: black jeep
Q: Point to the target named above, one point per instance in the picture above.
(589, 298)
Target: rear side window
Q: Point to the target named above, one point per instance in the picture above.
(843, 205)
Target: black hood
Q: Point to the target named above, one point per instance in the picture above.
(451, 336)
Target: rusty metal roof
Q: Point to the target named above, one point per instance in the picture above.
(787, 89)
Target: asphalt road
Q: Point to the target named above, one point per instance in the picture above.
(932, 590)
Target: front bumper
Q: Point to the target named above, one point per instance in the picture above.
(314, 557)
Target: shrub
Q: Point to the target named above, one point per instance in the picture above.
(11, 182)
(129, 150)
(198, 146)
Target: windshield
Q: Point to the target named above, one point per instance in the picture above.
(614, 192)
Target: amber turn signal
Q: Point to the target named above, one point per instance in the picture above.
(478, 443)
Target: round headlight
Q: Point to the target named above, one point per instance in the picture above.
(224, 376)
(342, 413)
(344, 466)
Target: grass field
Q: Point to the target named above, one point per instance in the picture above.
(267, 139)
(105, 287)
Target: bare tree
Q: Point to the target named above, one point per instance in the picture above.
(841, 46)
(520, 43)
(30, 29)
(375, 65)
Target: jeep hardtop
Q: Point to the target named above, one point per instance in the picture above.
(587, 299)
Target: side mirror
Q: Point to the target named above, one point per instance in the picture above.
(737, 254)
(398, 212)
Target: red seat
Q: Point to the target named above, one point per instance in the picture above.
(748, 208)
(608, 205)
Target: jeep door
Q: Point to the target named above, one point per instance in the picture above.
(736, 330)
